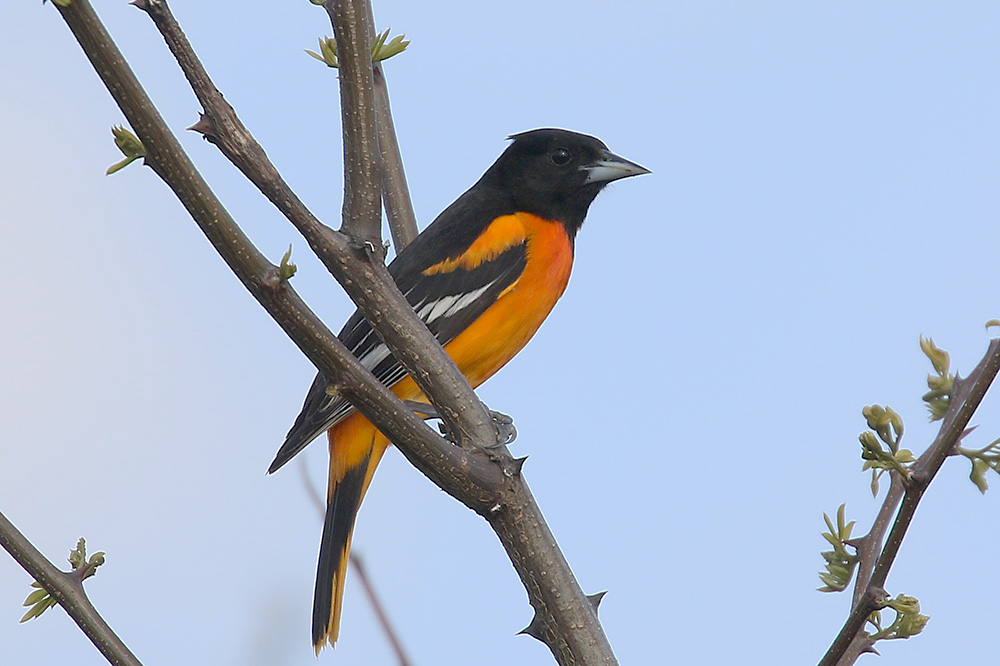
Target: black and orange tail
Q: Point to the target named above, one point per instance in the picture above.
(356, 448)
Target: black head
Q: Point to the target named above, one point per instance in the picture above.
(556, 174)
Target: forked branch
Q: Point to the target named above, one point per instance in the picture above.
(488, 482)
(966, 397)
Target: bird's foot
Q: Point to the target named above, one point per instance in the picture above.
(506, 431)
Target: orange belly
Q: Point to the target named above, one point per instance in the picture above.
(506, 326)
(489, 342)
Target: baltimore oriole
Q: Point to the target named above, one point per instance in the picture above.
(483, 276)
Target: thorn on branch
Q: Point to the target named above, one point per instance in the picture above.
(206, 127)
(870, 647)
(535, 628)
(595, 599)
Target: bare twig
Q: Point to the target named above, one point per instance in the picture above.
(965, 399)
(359, 568)
(395, 191)
(362, 197)
(870, 545)
(68, 591)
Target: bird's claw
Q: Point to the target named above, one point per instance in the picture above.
(506, 431)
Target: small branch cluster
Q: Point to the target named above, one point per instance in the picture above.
(839, 562)
(983, 460)
(81, 569)
(953, 400)
(381, 49)
(886, 428)
(941, 382)
(907, 622)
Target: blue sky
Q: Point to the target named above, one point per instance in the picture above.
(824, 192)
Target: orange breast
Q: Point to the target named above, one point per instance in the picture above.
(506, 326)
(489, 342)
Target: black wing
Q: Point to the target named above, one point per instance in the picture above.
(446, 301)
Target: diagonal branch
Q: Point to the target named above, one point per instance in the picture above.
(68, 591)
(356, 265)
(488, 481)
(965, 400)
(395, 192)
(166, 157)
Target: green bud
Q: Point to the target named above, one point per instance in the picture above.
(78, 556)
(96, 560)
(939, 358)
(904, 603)
(130, 146)
(287, 269)
(327, 52)
(871, 414)
(383, 51)
(35, 597)
(911, 625)
(870, 444)
(978, 474)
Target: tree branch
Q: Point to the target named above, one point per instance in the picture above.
(871, 544)
(362, 210)
(488, 481)
(966, 397)
(68, 591)
(357, 266)
(397, 647)
(395, 191)
(168, 160)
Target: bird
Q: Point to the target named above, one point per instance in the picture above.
(483, 276)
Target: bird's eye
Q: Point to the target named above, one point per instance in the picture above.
(560, 156)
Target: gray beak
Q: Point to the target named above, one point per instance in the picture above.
(612, 167)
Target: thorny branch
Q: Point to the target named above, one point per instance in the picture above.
(67, 589)
(965, 400)
(490, 484)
